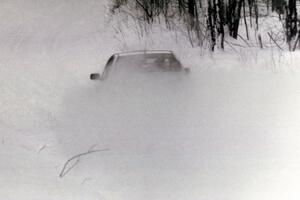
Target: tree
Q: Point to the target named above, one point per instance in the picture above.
(211, 16)
(291, 21)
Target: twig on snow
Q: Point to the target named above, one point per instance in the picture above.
(85, 180)
(244, 40)
(67, 168)
(42, 148)
(275, 41)
(230, 46)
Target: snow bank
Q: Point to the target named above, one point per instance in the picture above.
(225, 131)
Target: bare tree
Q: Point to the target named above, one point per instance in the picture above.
(212, 17)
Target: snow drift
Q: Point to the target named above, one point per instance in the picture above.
(228, 130)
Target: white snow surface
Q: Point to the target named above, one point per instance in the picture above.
(228, 130)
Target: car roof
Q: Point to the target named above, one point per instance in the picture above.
(128, 53)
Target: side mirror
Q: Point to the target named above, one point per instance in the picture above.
(95, 76)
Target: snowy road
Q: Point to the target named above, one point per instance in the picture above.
(214, 134)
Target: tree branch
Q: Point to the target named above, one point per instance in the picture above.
(66, 168)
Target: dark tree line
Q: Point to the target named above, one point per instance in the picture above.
(213, 18)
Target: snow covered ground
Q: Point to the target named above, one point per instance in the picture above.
(228, 130)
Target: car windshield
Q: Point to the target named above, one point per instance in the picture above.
(150, 62)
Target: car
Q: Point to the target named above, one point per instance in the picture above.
(141, 61)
